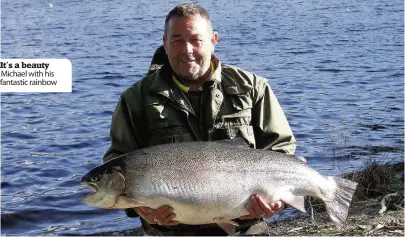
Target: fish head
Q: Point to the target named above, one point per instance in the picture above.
(106, 185)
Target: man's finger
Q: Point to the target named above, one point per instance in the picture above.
(254, 204)
(147, 216)
(263, 205)
(140, 211)
(278, 208)
(250, 209)
(172, 223)
(161, 211)
(276, 205)
(146, 209)
(168, 218)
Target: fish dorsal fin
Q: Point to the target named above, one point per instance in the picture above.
(237, 141)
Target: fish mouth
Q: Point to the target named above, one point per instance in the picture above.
(91, 185)
(89, 196)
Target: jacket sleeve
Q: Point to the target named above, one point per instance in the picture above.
(270, 125)
(125, 135)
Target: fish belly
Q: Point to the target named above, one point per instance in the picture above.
(201, 198)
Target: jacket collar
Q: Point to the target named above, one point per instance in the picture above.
(226, 78)
(163, 83)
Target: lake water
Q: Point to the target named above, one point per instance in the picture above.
(337, 68)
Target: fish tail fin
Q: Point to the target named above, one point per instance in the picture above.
(338, 207)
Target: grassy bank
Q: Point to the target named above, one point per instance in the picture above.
(376, 209)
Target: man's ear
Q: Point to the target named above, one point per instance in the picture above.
(214, 41)
(214, 38)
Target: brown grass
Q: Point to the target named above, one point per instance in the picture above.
(377, 180)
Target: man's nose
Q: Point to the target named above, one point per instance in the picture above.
(188, 47)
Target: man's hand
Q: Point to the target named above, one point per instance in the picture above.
(161, 216)
(258, 208)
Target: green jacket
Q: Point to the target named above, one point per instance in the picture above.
(238, 103)
(154, 111)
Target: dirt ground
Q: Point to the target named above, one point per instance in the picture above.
(376, 182)
(363, 220)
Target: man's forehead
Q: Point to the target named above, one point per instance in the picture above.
(194, 25)
(177, 35)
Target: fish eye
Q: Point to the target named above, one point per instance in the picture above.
(94, 179)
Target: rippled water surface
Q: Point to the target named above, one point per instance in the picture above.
(335, 66)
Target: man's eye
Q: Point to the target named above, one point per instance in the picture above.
(197, 42)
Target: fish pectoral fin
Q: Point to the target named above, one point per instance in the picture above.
(118, 181)
(92, 198)
(228, 225)
(225, 220)
(126, 202)
(295, 201)
(98, 199)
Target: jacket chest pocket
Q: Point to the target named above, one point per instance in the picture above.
(234, 120)
(165, 124)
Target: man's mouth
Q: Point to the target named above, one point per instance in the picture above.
(187, 61)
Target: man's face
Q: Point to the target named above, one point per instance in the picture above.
(189, 43)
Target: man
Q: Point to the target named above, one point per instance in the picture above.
(188, 95)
